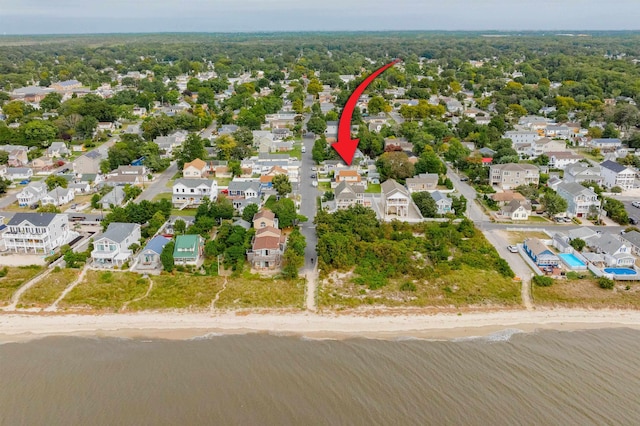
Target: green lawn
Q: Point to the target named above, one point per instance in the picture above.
(48, 289)
(222, 181)
(185, 212)
(162, 196)
(324, 186)
(106, 290)
(536, 218)
(15, 278)
(374, 188)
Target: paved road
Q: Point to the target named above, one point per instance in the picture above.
(159, 185)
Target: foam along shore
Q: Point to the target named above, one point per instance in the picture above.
(176, 325)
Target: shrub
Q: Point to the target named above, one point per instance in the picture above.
(606, 283)
(542, 281)
(408, 286)
(4, 271)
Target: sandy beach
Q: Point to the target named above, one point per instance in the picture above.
(185, 325)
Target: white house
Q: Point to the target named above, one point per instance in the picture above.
(615, 174)
(512, 175)
(36, 232)
(616, 253)
(581, 172)
(395, 198)
(196, 169)
(57, 149)
(562, 159)
(606, 144)
(18, 173)
(191, 192)
(516, 210)
(58, 196)
(31, 194)
(112, 248)
(522, 136)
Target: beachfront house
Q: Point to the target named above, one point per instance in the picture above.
(188, 250)
(112, 248)
(36, 232)
(540, 253)
(395, 198)
(149, 257)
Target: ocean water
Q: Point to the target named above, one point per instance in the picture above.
(508, 378)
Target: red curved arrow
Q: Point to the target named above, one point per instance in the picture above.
(345, 146)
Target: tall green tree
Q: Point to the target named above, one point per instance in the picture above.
(166, 257)
(192, 148)
(282, 185)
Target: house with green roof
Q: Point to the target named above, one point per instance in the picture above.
(188, 250)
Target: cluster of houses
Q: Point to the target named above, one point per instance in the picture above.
(43, 233)
(581, 199)
(605, 253)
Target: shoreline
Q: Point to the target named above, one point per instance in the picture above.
(21, 327)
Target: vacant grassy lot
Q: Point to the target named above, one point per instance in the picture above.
(180, 291)
(254, 291)
(47, 290)
(14, 279)
(106, 290)
(459, 288)
(585, 293)
(519, 236)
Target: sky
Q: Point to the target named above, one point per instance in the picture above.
(118, 16)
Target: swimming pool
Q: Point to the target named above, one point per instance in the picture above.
(620, 271)
(572, 261)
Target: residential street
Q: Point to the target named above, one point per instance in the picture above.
(308, 208)
(159, 185)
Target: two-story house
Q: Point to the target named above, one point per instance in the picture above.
(516, 210)
(36, 232)
(268, 244)
(89, 162)
(615, 174)
(562, 159)
(606, 144)
(188, 250)
(244, 189)
(112, 247)
(58, 196)
(347, 195)
(395, 198)
(580, 200)
(583, 172)
(191, 192)
(31, 194)
(115, 198)
(512, 175)
(57, 149)
(196, 169)
(632, 239)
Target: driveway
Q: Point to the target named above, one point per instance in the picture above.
(159, 185)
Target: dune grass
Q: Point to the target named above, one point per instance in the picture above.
(458, 288)
(179, 291)
(48, 289)
(254, 291)
(585, 293)
(15, 277)
(106, 290)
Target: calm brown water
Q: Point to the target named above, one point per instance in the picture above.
(557, 378)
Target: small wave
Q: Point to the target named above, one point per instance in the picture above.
(499, 336)
(316, 339)
(207, 336)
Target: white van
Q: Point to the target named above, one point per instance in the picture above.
(304, 149)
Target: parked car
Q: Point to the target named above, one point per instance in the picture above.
(314, 183)
(464, 179)
(513, 249)
(304, 149)
(313, 176)
(25, 182)
(636, 204)
(633, 220)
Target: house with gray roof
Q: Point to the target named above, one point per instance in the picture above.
(113, 198)
(540, 253)
(192, 192)
(632, 239)
(615, 251)
(443, 202)
(583, 172)
(36, 232)
(580, 200)
(89, 162)
(244, 189)
(57, 149)
(112, 248)
(347, 195)
(616, 174)
(423, 182)
(31, 194)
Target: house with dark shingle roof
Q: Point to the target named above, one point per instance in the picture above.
(615, 174)
(36, 232)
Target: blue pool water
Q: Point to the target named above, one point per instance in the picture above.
(620, 271)
(571, 260)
